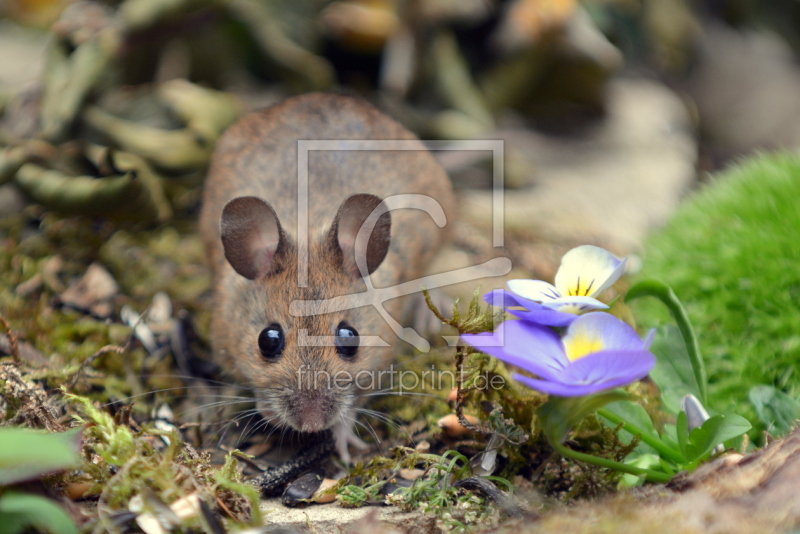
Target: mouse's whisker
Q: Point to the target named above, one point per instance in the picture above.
(205, 382)
(371, 430)
(235, 421)
(402, 429)
(215, 408)
(177, 388)
(228, 425)
(401, 394)
(222, 404)
(259, 423)
(383, 418)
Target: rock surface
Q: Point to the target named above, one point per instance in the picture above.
(745, 85)
(333, 519)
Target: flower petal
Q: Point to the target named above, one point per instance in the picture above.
(504, 299)
(597, 372)
(575, 305)
(544, 316)
(610, 368)
(648, 341)
(597, 332)
(532, 347)
(588, 271)
(534, 312)
(557, 388)
(537, 290)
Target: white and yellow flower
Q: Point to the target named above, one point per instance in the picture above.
(585, 273)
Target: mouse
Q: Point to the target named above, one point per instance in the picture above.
(275, 246)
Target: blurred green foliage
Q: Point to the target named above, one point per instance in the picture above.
(731, 254)
(26, 455)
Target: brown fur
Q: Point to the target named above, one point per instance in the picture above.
(258, 157)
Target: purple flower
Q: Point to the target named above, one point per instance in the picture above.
(597, 352)
(584, 274)
(533, 311)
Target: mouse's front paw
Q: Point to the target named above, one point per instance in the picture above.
(344, 436)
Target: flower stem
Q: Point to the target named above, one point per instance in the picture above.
(664, 293)
(648, 474)
(664, 450)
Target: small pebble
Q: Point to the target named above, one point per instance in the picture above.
(452, 397)
(188, 506)
(411, 474)
(150, 524)
(453, 428)
(318, 497)
(76, 490)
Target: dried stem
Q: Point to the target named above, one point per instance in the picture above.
(103, 350)
(12, 339)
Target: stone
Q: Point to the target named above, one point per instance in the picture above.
(745, 84)
(333, 518)
(611, 185)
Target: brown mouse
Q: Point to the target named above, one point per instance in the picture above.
(309, 371)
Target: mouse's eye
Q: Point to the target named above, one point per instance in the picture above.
(271, 342)
(346, 340)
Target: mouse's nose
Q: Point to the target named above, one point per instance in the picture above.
(313, 413)
(313, 424)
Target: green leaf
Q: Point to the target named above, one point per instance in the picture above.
(682, 430)
(21, 510)
(559, 414)
(673, 373)
(777, 410)
(645, 461)
(28, 454)
(637, 416)
(669, 435)
(716, 430)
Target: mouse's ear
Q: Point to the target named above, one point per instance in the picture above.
(359, 211)
(251, 236)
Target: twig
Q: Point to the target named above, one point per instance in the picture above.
(461, 396)
(12, 340)
(103, 350)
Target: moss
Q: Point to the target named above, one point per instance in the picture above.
(732, 255)
(163, 259)
(143, 261)
(123, 464)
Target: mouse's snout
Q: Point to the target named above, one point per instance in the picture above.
(304, 407)
(314, 411)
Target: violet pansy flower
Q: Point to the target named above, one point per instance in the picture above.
(532, 311)
(597, 352)
(585, 272)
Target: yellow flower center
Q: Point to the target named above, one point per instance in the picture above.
(578, 290)
(580, 345)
